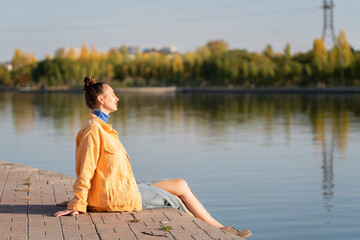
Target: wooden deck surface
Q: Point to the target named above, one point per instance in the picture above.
(28, 198)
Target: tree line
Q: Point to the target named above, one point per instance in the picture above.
(213, 64)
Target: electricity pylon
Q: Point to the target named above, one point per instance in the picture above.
(328, 29)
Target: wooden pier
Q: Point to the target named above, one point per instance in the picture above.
(28, 198)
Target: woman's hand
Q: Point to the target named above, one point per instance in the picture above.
(62, 204)
(66, 212)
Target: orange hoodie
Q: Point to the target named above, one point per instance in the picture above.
(105, 181)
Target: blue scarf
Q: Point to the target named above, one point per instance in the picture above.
(103, 116)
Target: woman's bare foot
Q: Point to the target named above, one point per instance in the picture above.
(243, 233)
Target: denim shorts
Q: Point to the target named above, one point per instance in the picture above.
(154, 197)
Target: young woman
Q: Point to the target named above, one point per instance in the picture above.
(105, 181)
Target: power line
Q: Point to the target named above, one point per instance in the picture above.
(160, 21)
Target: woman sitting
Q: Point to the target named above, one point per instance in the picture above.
(105, 181)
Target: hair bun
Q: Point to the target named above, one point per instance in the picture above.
(89, 81)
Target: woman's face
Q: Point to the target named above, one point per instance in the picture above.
(108, 100)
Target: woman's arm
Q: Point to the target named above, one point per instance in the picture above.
(87, 155)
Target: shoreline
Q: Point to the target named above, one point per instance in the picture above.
(271, 90)
(196, 90)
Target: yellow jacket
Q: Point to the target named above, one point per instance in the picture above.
(105, 181)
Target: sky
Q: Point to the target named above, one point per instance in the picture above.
(42, 26)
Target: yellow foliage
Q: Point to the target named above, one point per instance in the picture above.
(30, 58)
(84, 54)
(102, 56)
(21, 59)
(189, 57)
(94, 54)
(204, 52)
(71, 54)
(177, 63)
(18, 59)
(341, 53)
(320, 53)
(109, 72)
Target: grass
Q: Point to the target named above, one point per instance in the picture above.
(27, 181)
(135, 220)
(27, 189)
(165, 227)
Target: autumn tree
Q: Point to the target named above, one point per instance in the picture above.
(217, 47)
(268, 51)
(71, 54)
(5, 78)
(23, 64)
(319, 60)
(59, 53)
(209, 65)
(177, 67)
(342, 57)
(287, 52)
(18, 59)
(84, 56)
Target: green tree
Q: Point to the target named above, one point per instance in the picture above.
(124, 51)
(114, 57)
(177, 67)
(287, 52)
(268, 51)
(5, 78)
(59, 53)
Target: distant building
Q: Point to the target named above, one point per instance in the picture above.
(150, 50)
(133, 50)
(169, 50)
(7, 65)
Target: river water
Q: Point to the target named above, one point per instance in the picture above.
(284, 166)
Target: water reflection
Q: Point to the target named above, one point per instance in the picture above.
(328, 173)
(209, 113)
(328, 117)
(61, 112)
(286, 156)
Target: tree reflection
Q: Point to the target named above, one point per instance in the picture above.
(62, 112)
(210, 115)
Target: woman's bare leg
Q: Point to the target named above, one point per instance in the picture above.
(186, 209)
(180, 188)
